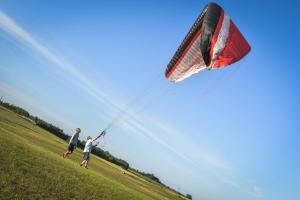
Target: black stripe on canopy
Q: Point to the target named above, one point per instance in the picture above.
(207, 21)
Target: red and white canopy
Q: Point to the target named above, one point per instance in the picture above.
(213, 42)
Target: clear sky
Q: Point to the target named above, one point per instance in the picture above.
(226, 134)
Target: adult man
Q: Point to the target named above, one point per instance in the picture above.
(72, 143)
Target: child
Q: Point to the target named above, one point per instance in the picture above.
(88, 148)
(72, 143)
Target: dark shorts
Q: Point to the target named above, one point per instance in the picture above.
(71, 147)
(86, 155)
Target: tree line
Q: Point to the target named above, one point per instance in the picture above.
(148, 175)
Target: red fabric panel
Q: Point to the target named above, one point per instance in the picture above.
(236, 48)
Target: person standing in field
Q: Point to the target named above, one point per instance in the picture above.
(72, 143)
(88, 148)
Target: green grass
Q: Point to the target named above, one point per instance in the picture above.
(31, 167)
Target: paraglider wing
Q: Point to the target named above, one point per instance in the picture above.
(213, 42)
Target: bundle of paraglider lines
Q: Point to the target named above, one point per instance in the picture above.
(213, 42)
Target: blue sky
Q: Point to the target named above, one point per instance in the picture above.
(224, 134)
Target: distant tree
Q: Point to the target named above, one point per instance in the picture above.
(189, 196)
(15, 109)
(51, 128)
(148, 175)
(107, 156)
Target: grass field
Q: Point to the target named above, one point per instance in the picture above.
(31, 167)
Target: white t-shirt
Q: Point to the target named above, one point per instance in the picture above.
(88, 146)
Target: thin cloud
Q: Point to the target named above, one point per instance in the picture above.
(245, 186)
(192, 150)
(13, 29)
(16, 94)
(138, 127)
(231, 183)
(257, 192)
